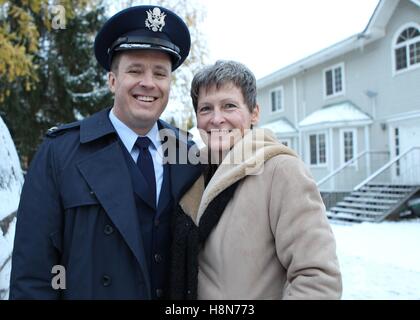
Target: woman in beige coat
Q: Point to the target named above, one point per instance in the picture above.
(253, 226)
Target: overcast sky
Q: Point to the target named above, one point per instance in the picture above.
(267, 35)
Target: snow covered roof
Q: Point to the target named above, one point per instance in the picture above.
(280, 126)
(336, 115)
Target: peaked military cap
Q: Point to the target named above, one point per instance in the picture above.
(140, 28)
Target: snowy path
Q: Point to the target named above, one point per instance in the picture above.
(379, 261)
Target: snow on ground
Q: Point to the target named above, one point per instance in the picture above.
(379, 260)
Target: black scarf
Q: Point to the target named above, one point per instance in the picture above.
(187, 241)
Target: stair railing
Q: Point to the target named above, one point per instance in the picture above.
(344, 165)
(386, 166)
(339, 183)
(351, 162)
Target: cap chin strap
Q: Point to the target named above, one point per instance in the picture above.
(143, 42)
(128, 46)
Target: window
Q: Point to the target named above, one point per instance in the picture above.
(334, 80)
(407, 49)
(348, 144)
(276, 97)
(317, 149)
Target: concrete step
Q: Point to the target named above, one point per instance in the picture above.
(390, 185)
(376, 195)
(370, 200)
(376, 207)
(349, 217)
(386, 189)
(357, 211)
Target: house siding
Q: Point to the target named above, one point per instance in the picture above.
(367, 69)
(264, 100)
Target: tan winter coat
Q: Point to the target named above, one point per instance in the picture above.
(273, 241)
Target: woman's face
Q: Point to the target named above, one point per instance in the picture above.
(223, 117)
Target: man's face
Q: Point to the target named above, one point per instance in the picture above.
(141, 87)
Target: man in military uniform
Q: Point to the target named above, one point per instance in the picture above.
(98, 197)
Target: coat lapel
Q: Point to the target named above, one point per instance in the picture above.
(107, 175)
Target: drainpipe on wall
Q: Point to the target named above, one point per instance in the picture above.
(367, 148)
(301, 144)
(331, 152)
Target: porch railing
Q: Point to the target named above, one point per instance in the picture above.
(404, 170)
(351, 173)
(335, 186)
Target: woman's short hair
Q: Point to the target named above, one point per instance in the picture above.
(224, 72)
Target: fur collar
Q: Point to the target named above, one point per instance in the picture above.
(247, 157)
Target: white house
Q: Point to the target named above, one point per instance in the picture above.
(354, 106)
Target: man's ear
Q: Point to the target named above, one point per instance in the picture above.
(111, 81)
(255, 115)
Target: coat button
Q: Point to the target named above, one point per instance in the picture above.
(108, 229)
(157, 222)
(158, 258)
(159, 293)
(106, 281)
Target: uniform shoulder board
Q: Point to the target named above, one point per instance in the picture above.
(59, 130)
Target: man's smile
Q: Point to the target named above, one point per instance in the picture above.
(144, 98)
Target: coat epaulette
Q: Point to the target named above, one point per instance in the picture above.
(59, 130)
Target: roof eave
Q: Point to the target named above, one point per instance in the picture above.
(335, 124)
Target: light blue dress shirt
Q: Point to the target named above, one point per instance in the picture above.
(129, 137)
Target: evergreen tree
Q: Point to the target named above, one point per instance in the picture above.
(70, 83)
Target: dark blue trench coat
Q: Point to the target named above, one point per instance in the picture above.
(78, 210)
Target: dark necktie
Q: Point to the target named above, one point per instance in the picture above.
(145, 164)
